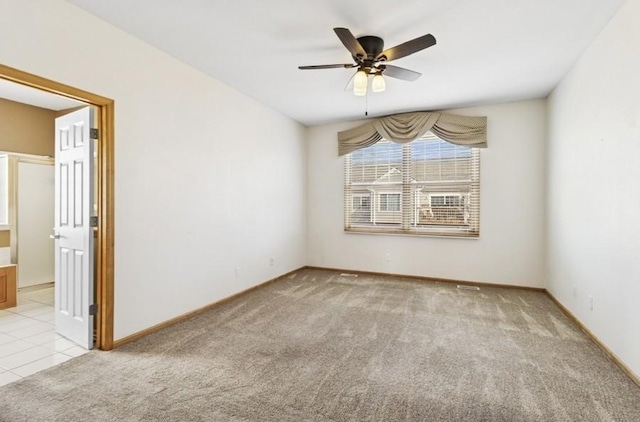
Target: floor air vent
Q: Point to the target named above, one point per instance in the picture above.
(463, 287)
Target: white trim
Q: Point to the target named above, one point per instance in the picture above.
(4, 192)
(14, 159)
(28, 157)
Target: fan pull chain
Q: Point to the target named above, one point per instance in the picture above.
(366, 104)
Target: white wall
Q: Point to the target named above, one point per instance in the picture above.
(35, 222)
(207, 179)
(5, 256)
(594, 187)
(510, 247)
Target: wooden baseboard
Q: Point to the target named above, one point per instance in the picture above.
(608, 352)
(172, 321)
(432, 279)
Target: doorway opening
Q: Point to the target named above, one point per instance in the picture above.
(104, 194)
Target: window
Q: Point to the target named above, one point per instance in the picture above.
(361, 202)
(447, 200)
(425, 187)
(390, 202)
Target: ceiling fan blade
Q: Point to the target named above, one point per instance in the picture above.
(407, 48)
(327, 66)
(349, 41)
(400, 73)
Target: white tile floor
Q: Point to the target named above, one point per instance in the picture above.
(28, 342)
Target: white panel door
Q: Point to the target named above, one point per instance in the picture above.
(73, 233)
(35, 220)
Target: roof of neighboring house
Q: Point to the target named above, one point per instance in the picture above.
(392, 176)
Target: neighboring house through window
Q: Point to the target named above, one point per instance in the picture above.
(427, 186)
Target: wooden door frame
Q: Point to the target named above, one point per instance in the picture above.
(104, 196)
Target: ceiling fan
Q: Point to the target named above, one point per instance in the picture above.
(371, 59)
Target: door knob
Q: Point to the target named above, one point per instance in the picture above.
(54, 236)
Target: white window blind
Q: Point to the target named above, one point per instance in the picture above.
(427, 186)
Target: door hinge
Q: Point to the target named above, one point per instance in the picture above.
(94, 133)
(93, 309)
(93, 222)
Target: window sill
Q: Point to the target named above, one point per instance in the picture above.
(413, 233)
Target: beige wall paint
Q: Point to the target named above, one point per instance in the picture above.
(26, 129)
(4, 239)
(68, 110)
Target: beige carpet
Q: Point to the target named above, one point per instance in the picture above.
(317, 346)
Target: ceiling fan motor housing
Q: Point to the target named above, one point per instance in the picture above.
(373, 46)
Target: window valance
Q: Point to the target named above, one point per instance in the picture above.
(407, 127)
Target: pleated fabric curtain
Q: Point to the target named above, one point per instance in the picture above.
(406, 127)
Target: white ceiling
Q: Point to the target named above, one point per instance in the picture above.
(487, 51)
(35, 97)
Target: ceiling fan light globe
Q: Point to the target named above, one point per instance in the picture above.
(378, 84)
(360, 83)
